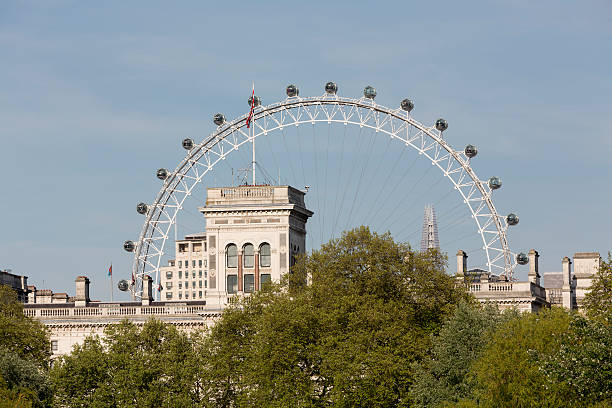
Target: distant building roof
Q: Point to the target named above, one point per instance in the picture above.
(552, 280)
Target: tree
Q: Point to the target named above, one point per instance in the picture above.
(150, 366)
(598, 301)
(509, 373)
(583, 361)
(20, 334)
(442, 378)
(23, 380)
(347, 338)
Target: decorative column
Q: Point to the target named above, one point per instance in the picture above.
(240, 288)
(256, 255)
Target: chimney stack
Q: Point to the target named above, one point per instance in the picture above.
(461, 266)
(534, 273)
(566, 289)
(82, 291)
(147, 290)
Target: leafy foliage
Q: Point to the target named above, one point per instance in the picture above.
(508, 372)
(346, 339)
(583, 361)
(23, 379)
(442, 379)
(20, 334)
(152, 366)
(598, 301)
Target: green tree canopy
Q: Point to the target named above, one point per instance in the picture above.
(598, 301)
(442, 379)
(508, 374)
(23, 380)
(20, 334)
(150, 366)
(346, 339)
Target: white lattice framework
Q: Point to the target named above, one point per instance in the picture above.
(294, 111)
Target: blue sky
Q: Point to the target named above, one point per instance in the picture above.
(96, 96)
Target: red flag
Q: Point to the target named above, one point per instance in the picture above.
(133, 279)
(110, 270)
(160, 287)
(248, 121)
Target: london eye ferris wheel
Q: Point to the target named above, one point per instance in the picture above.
(361, 161)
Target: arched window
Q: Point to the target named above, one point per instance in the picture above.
(231, 256)
(248, 253)
(264, 255)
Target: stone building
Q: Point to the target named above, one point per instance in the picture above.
(18, 283)
(568, 289)
(563, 288)
(528, 296)
(253, 234)
(70, 322)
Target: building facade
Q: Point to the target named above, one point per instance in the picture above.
(253, 234)
(18, 283)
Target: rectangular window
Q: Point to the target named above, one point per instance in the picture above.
(200, 263)
(200, 294)
(53, 345)
(200, 284)
(168, 285)
(193, 293)
(180, 285)
(180, 264)
(186, 295)
(193, 264)
(186, 284)
(193, 274)
(264, 278)
(168, 295)
(249, 283)
(200, 273)
(168, 275)
(206, 284)
(180, 274)
(232, 283)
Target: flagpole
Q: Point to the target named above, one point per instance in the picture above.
(111, 281)
(253, 134)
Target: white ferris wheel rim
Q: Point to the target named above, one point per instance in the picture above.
(293, 111)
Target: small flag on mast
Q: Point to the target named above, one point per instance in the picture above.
(250, 117)
(110, 270)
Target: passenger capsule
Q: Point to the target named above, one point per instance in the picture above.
(162, 174)
(495, 183)
(257, 101)
(129, 246)
(292, 90)
(219, 119)
(471, 151)
(142, 208)
(441, 125)
(123, 285)
(407, 105)
(187, 144)
(512, 219)
(369, 92)
(331, 88)
(522, 259)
